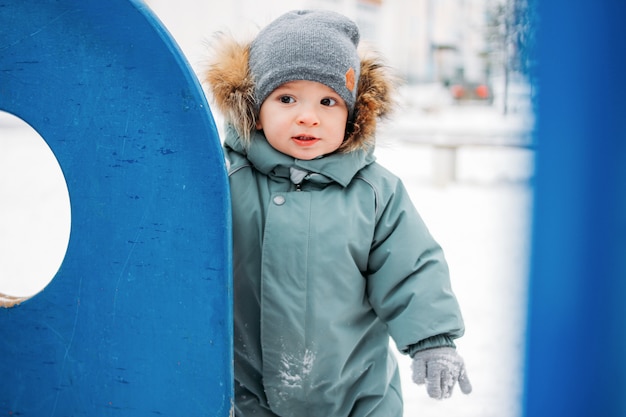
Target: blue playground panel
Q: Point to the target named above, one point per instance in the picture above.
(137, 321)
(576, 343)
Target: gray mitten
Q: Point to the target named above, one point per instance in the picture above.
(440, 368)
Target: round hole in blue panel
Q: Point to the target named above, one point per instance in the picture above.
(35, 215)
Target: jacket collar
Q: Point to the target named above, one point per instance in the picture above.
(338, 167)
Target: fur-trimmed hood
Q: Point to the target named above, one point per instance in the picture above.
(231, 85)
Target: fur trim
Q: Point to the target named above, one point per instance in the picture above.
(230, 82)
(374, 101)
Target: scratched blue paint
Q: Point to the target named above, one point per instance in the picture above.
(137, 322)
(575, 363)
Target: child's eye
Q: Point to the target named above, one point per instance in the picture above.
(286, 99)
(328, 101)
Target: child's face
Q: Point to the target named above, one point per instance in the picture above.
(304, 119)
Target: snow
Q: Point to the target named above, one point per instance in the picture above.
(295, 369)
(482, 223)
(34, 210)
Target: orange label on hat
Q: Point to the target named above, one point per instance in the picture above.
(350, 79)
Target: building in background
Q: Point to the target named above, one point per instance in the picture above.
(436, 40)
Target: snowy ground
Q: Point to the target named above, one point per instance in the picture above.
(483, 224)
(482, 221)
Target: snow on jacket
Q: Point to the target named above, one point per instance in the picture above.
(330, 258)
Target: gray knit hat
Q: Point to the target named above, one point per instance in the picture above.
(312, 45)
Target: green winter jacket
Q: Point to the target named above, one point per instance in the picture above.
(330, 259)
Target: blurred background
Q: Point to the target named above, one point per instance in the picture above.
(461, 141)
(471, 49)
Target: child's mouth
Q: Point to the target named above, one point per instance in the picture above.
(305, 140)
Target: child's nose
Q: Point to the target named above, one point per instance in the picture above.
(308, 117)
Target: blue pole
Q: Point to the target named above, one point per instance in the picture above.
(576, 336)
